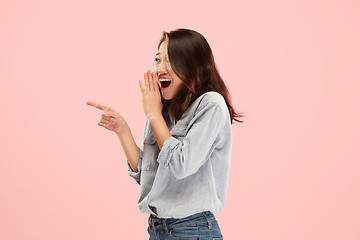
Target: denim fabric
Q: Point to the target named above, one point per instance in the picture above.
(190, 174)
(200, 226)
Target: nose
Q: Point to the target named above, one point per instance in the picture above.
(162, 68)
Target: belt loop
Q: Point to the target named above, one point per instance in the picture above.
(164, 225)
(207, 219)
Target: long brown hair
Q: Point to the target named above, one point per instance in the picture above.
(191, 59)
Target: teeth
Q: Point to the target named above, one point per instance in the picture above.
(165, 83)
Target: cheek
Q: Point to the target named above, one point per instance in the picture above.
(178, 84)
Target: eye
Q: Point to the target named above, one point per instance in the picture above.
(157, 59)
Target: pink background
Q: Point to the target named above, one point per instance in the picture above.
(291, 66)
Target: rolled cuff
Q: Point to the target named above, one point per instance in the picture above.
(166, 151)
(136, 175)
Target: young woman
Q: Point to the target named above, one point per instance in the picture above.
(183, 165)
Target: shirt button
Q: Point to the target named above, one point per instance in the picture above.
(156, 224)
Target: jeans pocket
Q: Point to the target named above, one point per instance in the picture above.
(213, 233)
(151, 232)
(186, 232)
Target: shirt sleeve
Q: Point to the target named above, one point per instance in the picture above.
(136, 175)
(184, 158)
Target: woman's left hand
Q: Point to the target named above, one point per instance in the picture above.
(151, 98)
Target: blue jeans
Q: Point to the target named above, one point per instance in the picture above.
(200, 226)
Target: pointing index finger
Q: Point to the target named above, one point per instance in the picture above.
(98, 105)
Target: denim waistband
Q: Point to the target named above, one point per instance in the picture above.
(155, 221)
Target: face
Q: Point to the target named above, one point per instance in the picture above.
(170, 82)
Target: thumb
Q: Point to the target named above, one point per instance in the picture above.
(113, 114)
(107, 114)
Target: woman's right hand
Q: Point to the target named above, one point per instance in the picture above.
(110, 118)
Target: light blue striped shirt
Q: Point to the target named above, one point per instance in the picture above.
(190, 174)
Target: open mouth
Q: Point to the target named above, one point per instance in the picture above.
(165, 83)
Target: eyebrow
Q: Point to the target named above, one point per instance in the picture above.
(157, 54)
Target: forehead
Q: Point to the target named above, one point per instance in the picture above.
(162, 49)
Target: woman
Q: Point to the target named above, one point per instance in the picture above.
(183, 165)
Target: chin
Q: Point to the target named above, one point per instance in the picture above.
(167, 96)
